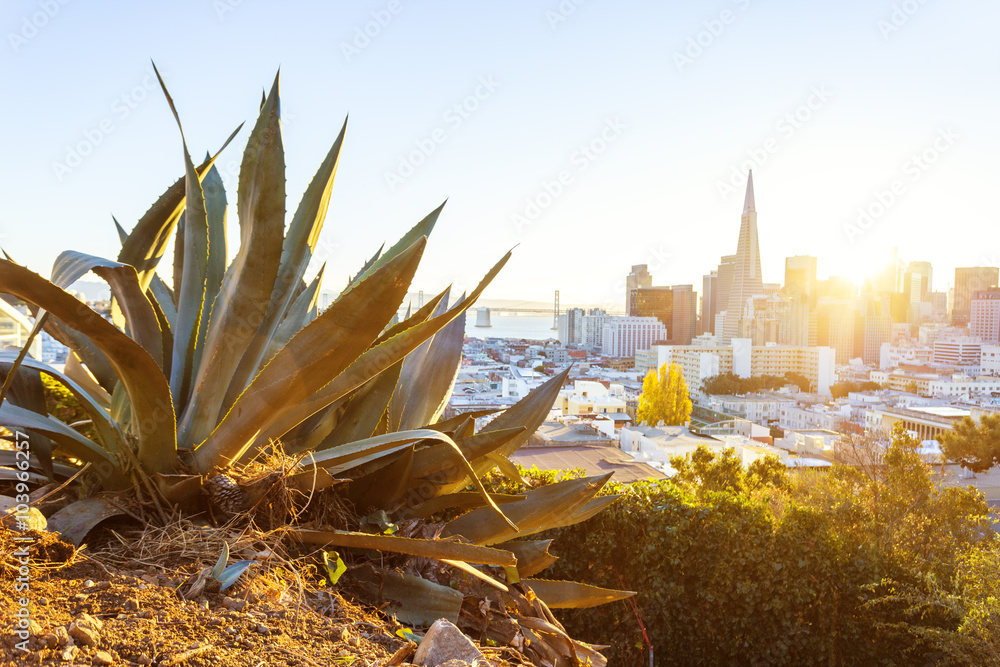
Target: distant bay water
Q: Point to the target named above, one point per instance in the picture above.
(538, 327)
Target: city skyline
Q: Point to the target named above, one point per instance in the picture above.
(652, 115)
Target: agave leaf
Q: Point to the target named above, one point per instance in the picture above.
(505, 466)
(107, 430)
(148, 240)
(412, 600)
(319, 352)
(477, 573)
(436, 549)
(301, 313)
(220, 564)
(591, 509)
(363, 412)
(383, 487)
(81, 375)
(369, 264)
(419, 317)
(347, 457)
(532, 556)
(574, 595)
(303, 234)
(232, 573)
(190, 289)
(422, 228)
(163, 297)
(461, 500)
(77, 519)
(11, 475)
(373, 362)
(215, 211)
(448, 425)
(26, 391)
(139, 319)
(477, 449)
(246, 288)
(434, 466)
(543, 508)
(95, 360)
(147, 388)
(529, 412)
(428, 376)
(67, 438)
(351, 455)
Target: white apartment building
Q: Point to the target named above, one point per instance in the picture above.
(624, 335)
(891, 356)
(705, 358)
(989, 360)
(593, 330)
(958, 351)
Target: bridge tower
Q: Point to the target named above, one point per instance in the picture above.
(555, 313)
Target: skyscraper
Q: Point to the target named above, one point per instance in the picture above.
(968, 281)
(917, 281)
(685, 314)
(640, 277)
(800, 278)
(745, 279)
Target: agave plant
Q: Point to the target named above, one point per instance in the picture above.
(187, 382)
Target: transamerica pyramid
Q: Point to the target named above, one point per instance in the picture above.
(745, 280)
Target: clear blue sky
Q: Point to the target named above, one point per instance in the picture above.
(674, 129)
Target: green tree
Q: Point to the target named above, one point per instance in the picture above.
(664, 397)
(704, 471)
(975, 446)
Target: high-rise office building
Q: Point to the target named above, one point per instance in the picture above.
(800, 278)
(745, 277)
(709, 295)
(917, 281)
(652, 301)
(984, 320)
(685, 315)
(968, 281)
(571, 327)
(639, 277)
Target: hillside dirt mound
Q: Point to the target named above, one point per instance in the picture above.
(93, 610)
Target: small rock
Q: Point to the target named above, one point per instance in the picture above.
(68, 653)
(33, 519)
(103, 658)
(445, 642)
(84, 635)
(43, 600)
(91, 621)
(49, 640)
(62, 636)
(456, 663)
(143, 659)
(79, 597)
(89, 583)
(34, 629)
(130, 605)
(233, 604)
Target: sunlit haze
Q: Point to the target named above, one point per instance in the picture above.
(591, 135)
